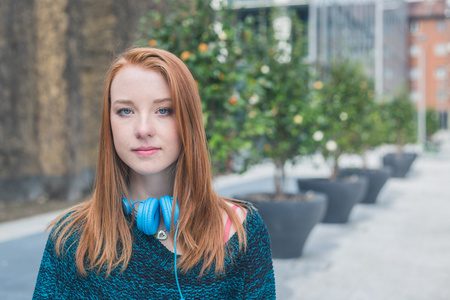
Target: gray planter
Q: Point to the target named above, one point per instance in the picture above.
(376, 180)
(342, 195)
(399, 164)
(290, 222)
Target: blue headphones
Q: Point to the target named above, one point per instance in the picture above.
(147, 216)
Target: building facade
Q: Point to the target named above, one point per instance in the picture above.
(429, 56)
(371, 32)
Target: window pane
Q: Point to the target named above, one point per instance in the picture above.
(441, 95)
(414, 27)
(440, 49)
(440, 26)
(440, 73)
(415, 96)
(414, 73)
(414, 50)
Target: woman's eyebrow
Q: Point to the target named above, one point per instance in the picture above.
(157, 101)
(122, 101)
(130, 102)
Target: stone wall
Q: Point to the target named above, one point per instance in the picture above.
(53, 58)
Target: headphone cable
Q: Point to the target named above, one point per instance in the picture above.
(175, 261)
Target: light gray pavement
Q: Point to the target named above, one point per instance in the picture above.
(396, 249)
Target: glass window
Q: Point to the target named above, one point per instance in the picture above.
(441, 95)
(388, 73)
(414, 51)
(440, 73)
(414, 27)
(440, 49)
(414, 73)
(415, 96)
(440, 26)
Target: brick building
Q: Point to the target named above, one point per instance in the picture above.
(429, 56)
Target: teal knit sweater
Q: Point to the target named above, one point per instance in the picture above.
(150, 274)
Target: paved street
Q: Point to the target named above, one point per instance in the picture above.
(396, 249)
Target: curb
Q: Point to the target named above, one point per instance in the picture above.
(27, 226)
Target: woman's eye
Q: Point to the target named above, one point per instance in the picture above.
(164, 111)
(124, 111)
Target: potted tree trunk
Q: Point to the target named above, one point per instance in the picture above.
(339, 99)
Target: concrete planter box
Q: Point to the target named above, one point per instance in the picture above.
(290, 222)
(376, 180)
(399, 164)
(342, 195)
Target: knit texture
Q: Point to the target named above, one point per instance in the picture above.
(150, 274)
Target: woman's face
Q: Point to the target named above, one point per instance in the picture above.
(143, 123)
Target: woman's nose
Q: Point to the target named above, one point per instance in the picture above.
(144, 127)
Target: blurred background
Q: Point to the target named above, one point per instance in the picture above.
(54, 54)
(290, 89)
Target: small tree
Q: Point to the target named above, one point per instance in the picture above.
(432, 120)
(399, 116)
(347, 116)
(371, 131)
(277, 89)
(204, 39)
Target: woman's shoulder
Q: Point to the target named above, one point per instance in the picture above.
(253, 217)
(249, 216)
(239, 207)
(246, 211)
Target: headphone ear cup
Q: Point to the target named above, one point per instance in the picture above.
(166, 209)
(126, 206)
(147, 218)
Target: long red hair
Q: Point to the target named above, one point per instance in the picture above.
(106, 239)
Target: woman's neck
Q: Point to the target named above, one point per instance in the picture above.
(155, 185)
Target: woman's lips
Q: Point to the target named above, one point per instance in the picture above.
(146, 151)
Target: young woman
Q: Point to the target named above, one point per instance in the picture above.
(155, 228)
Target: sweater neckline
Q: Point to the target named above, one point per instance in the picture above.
(168, 254)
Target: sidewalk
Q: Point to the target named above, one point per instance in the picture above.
(396, 249)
